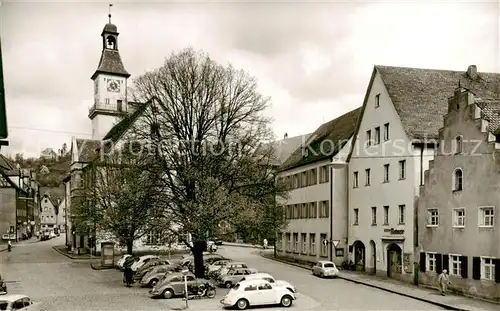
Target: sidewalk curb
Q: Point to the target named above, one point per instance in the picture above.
(99, 267)
(68, 255)
(442, 305)
(245, 245)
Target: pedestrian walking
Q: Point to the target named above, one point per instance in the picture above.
(265, 244)
(444, 281)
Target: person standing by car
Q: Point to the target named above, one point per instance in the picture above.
(128, 276)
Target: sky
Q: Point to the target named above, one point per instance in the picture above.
(314, 59)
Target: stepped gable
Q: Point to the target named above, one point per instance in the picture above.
(420, 96)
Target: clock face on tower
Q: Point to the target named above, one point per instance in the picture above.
(113, 86)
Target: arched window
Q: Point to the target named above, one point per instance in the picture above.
(458, 179)
(110, 42)
(458, 144)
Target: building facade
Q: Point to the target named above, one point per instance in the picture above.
(317, 203)
(458, 222)
(19, 210)
(49, 215)
(396, 138)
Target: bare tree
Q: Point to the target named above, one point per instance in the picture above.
(119, 197)
(213, 144)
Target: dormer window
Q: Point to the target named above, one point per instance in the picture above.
(458, 180)
(458, 144)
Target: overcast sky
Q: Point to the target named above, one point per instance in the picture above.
(313, 59)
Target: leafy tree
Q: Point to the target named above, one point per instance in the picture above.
(213, 150)
(120, 197)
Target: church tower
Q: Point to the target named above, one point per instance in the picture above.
(110, 85)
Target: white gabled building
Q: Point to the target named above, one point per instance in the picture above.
(317, 203)
(396, 137)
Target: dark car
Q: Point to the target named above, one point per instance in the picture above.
(149, 266)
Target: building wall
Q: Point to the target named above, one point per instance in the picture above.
(398, 193)
(328, 186)
(48, 215)
(481, 187)
(8, 209)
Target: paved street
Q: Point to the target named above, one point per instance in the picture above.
(326, 294)
(64, 284)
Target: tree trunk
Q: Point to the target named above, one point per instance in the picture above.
(199, 266)
(130, 246)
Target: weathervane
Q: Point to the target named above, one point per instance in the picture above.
(109, 12)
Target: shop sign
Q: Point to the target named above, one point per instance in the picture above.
(395, 231)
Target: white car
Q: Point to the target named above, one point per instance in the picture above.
(18, 302)
(143, 260)
(325, 269)
(272, 280)
(257, 292)
(121, 261)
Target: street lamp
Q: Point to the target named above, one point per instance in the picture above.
(337, 164)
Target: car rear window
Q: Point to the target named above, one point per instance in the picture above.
(329, 265)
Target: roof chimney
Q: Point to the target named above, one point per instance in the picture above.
(285, 136)
(472, 71)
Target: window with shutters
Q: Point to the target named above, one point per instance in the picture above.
(356, 216)
(431, 262)
(304, 243)
(296, 242)
(312, 243)
(324, 209)
(455, 265)
(288, 242)
(386, 215)
(488, 268)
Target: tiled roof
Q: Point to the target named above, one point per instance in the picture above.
(420, 96)
(87, 149)
(53, 194)
(111, 62)
(335, 134)
(287, 146)
(490, 110)
(121, 127)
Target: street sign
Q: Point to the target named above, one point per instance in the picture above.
(335, 243)
(325, 242)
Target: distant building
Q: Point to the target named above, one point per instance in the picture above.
(44, 170)
(19, 211)
(50, 215)
(458, 223)
(48, 153)
(317, 204)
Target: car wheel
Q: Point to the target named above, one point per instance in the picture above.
(286, 301)
(153, 282)
(242, 304)
(228, 284)
(168, 293)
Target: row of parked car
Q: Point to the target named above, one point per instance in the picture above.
(248, 286)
